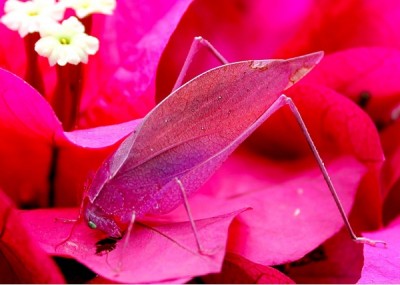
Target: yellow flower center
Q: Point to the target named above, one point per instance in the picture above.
(33, 13)
(65, 41)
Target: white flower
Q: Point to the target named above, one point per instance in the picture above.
(27, 17)
(84, 8)
(66, 42)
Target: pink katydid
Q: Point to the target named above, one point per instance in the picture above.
(182, 141)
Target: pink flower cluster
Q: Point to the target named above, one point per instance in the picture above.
(266, 213)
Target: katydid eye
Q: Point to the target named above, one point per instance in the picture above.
(92, 225)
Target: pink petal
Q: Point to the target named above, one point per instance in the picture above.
(358, 72)
(372, 71)
(338, 260)
(25, 116)
(119, 40)
(391, 204)
(240, 30)
(102, 137)
(381, 265)
(21, 259)
(15, 64)
(292, 218)
(128, 60)
(337, 126)
(102, 280)
(390, 137)
(238, 270)
(336, 25)
(162, 245)
(80, 154)
(286, 221)
(11, 59)
(23, 108)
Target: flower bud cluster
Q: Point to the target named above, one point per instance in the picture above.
(61, 40)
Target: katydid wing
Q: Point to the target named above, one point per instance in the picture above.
(187, 136)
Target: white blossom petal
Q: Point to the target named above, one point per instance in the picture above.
(66, 43)
(27, 17)
(84, 8)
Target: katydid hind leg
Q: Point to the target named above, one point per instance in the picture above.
(191, 220)
(198, 42)
(327, 178)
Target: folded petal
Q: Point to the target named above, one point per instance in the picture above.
(164, 245)
(339, 260)
(28, 127)
(25, 116)
(390, 176)
(368, 76)
(238, 270)
(381, 265)
(21, 258)
(292, 209)
(294, 217)
(16, 62)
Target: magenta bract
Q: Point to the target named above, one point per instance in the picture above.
(162, 244)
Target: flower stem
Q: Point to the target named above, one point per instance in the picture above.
(67, 96)
(33, 74)
(88, 23)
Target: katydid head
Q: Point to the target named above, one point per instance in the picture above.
(98, 219)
